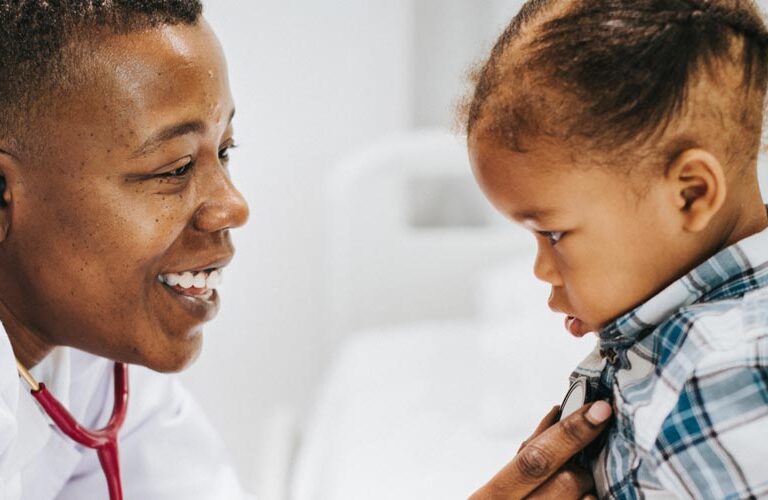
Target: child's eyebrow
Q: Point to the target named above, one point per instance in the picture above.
(535, 214)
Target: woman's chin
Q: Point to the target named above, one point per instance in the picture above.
(172, 358)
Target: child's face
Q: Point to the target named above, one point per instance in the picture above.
(601, 247)
(133, 185)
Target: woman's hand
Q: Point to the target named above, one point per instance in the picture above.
(539, 470)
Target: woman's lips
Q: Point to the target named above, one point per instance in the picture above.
(194, 291)
(201, 304)
(575, 326)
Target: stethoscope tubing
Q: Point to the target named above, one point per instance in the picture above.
(104, 440)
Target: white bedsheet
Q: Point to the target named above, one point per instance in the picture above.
(401, 417)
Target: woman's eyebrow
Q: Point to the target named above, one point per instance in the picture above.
(171, 132)
(168, 133)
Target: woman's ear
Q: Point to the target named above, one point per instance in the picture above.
(8, 173)
(698, 186)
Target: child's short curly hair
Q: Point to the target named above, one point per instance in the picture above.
(42, 42)
(618, 72)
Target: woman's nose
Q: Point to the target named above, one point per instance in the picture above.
(544, 268)
(225, 208)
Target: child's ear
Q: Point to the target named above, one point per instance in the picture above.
(698, 184)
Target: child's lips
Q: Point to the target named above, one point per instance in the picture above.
(575, 326)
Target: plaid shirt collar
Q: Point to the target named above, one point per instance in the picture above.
(732, 272)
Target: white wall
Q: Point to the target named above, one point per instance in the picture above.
(446, 43)
(311, 80)
(450, 38)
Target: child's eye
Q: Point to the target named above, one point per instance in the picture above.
(552, 236)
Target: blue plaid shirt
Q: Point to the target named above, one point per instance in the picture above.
(688, 375)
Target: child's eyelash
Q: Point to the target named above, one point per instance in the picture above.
(553, 236)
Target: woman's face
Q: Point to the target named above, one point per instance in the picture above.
(130, 191)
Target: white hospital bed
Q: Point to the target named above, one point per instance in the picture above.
(447, 353)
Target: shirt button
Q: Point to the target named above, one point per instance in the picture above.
(610, 355)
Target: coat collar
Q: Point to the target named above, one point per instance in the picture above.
(26, 432)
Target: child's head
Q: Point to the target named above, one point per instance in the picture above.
(625, 135)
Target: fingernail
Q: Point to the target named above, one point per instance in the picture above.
(599, 412)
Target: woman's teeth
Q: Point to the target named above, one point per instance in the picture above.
(202, 280)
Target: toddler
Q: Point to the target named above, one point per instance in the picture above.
(624, 134)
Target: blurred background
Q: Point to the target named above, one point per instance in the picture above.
(379, 324)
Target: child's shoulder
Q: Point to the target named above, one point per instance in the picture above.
(697, 333)
(726, 324)
(714, 401)
(704, 354)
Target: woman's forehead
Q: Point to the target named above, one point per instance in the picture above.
(143, 82)
(163, 66)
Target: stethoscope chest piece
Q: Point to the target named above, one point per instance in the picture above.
(579, 394)
(575, 398)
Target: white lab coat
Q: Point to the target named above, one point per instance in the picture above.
(168, 450)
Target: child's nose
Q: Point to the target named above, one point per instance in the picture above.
(544, 268)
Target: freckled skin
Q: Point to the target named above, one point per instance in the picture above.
(92, 226)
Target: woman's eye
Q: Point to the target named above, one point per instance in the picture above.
(552, 236)
(224, 152)
(179, 172)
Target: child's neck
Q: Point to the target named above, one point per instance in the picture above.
(752, 218)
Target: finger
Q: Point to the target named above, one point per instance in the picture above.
(545, 424)
(570, 483)
(589, 497)
(547, 421)
(546, 454)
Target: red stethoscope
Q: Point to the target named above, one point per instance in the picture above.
(104, 441)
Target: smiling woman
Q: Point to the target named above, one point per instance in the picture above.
(114, 231)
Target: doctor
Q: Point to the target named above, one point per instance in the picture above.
(115, 213)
